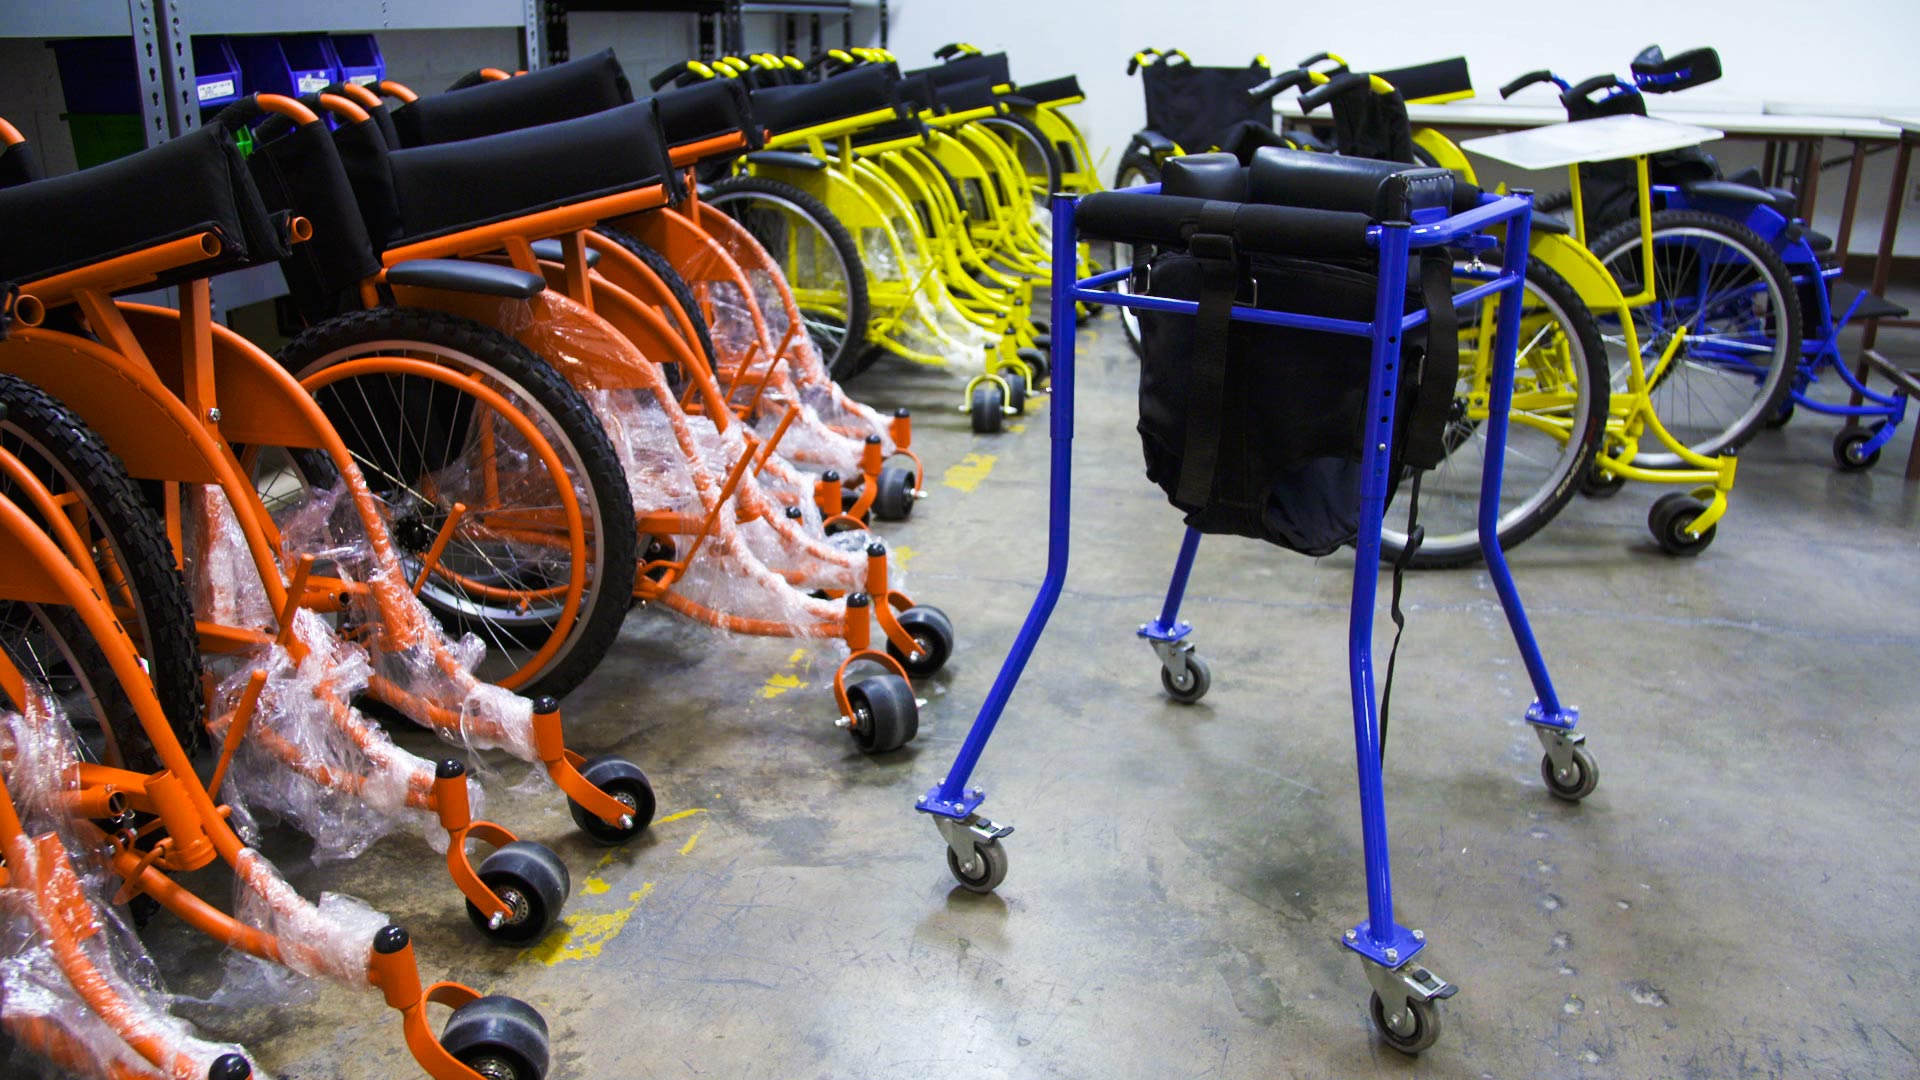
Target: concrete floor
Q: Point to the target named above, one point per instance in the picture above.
(1735, 900)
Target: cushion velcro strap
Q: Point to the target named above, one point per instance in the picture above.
(1425, 442)
(1220, 272)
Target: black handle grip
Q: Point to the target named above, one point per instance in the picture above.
(1172, 219)
(1331, 89)
(947, 52)
(1266, 91)
(659, 82)
(1524, 81)
(1315, 58)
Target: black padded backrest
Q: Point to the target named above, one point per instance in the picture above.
(990, 66)
(452, 186)
(193, 184)
(706, 110)
(1448, 76)
(576, 88)
(299, 170)
(1198, 106)
(961, 96)
(19, 165)
(864, 89)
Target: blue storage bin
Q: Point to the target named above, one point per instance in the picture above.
(98, 75)
(360, 59)
(216, 72)
(289, 64)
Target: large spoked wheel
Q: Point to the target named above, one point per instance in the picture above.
(1554, 427)
(1136, 169)
(547, 596)
(128, 542)
(817, 254)
(1737, 303)
(1038, 161)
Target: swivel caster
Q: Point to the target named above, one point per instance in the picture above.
(896, 495)
(499, 1037)
(1779, 417)
(623, 780)
(1669, 520)
(1411, 1028)
(1575, 782)
(1016, 390)
(1596, 484)
(885, 715)
(984, 872)
(984, 407)
(1037, 361)
(932, 631)
(1849, 447)
(1190, 685)
(533, 883)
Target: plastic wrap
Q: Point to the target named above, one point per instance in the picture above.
(331, 938)
(78, 990)
(308, 756)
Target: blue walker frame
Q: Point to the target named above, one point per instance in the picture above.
(1387, 947)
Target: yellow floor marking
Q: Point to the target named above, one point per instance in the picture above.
(902, 555)
(669, 818)
(782, 681)
(692, 840)
(593, 886)
(1016, 428)
(970, 471)
(581, 936)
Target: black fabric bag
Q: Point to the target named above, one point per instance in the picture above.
(1197, 107)
(1291, 403)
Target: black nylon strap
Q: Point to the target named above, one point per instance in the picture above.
(1415, 534)
(1425, 445)
(1212, 244)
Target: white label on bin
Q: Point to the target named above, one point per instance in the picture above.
(219, 89)
(363, 80)
(313, 84)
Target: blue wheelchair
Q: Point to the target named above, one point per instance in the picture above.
(1687, 184)
(1212, 240)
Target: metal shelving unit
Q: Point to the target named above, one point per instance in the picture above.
(722, 22)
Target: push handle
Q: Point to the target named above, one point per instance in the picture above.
(957, 48)
(1266, 91)
(678, 72)
(1332, 88)
(1524, 81)
(1584, 91)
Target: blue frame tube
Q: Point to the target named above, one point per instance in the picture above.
(950, 797)
(1499, 403)
(1383, 388)
(1177, 587)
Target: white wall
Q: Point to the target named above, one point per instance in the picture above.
(1857, 55)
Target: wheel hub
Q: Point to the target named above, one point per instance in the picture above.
(493, 1069)
(517, 906)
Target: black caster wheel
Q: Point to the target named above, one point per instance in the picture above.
(988, 870)
(885, 716)
(499, 1037)
(229, 1067)
(1595, 484)
(1191, 687)
(1668, 521)
(1037, 361)
(1016, 391)
(929, 626)
(623, 780)
(1419, 1027)
(1848, 444)
(849, 496)
(985, 408)
(1780, 417)
(533, 882)
(894, 500)
(1585, 776)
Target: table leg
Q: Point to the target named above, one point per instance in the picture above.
(1809, 188)
(1855, 166)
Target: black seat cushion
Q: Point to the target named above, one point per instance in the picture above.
(18, 165)
(193, 184)
(452, 186)
(576, 88)
(864, 89)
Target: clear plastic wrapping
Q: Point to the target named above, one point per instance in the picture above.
(76, 986)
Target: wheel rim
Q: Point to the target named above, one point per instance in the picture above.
(1549, 409)
(815, 270)
(1034, 157)
(506, 570)
(1725, 376)
(1129, 177)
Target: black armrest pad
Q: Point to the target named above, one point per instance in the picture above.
(786, 159)
(1205, 176)
(459, 275)
(1386, 190)
(1171, 220)
(555, 251)
(1153, 140)
(1723, 189)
